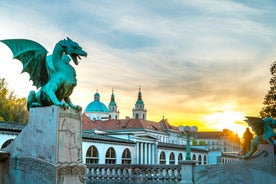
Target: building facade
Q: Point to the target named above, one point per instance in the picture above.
(223, 141)
(107, 139)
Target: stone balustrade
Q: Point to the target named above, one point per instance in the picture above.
(133, 172)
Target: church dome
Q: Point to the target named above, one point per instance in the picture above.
(96, 105)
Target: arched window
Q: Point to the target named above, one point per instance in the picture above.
(194, 157)
(92, 155)
(172, 160)
(6, 143)
(199, 160)
(126, 158)
(110, 156)
(180, 157)
(162, 159)
(136, 116)
(204, 160)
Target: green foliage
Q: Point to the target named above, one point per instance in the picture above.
(202, 143)
(12, 109)
(269, 109)
(194, 143)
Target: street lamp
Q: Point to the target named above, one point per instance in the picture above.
(188, 132)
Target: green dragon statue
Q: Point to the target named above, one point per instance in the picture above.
(53, 76)
(264, 130)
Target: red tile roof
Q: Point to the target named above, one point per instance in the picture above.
(210, 135)
(119, 124)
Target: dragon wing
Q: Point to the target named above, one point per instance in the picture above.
(257, 124)
(33, 57)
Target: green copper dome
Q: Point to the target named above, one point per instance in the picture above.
(96, 105)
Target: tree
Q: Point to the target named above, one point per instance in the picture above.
(12, 109)
(269, 109)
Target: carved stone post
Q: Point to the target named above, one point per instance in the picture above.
(48, 150)
(187, 171)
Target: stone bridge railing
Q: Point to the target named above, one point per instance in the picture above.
(133, 172)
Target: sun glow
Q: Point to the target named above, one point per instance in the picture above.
(227, 119)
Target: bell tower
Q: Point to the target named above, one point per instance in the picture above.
(113, 108)
(139, 111)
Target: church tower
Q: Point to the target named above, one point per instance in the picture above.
(139, 111)
(113, 108)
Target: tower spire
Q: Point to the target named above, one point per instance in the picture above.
(139, 99)
(113, 112)
(139, 111)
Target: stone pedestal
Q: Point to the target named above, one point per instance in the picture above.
(48, 150)
(187, 171)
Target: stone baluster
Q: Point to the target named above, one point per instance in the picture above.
(154, 174)
(136, 173)
(98, 173)
(166, 174)
(131, 174)
(114, 173)
(142, 174)
(172, 175)
(148, 175)
(125, 173)
(93, 173)
(177, 175)
(109, 174)
(120, 173)
(160, 174)
(104, 174)
(88, 173)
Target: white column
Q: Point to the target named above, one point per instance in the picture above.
(142, 153)
(146, 153)
(150, 154)
(153, 154)
(137, 153)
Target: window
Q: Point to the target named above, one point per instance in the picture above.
(162, 159)
(204, 160)
(194, 157)
(136, 116)
(126, 158)
(199, 160)
(110, 156)
(180, 157)
(92, 156)
(172, 160)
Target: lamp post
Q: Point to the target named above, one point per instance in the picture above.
(188, 132)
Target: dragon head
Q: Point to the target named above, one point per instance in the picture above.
(72, 49)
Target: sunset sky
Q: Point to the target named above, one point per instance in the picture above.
(199, 62)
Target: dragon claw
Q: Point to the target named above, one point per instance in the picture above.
(78, 108)
(64, 105)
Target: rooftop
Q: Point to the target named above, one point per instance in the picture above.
(127, 124)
